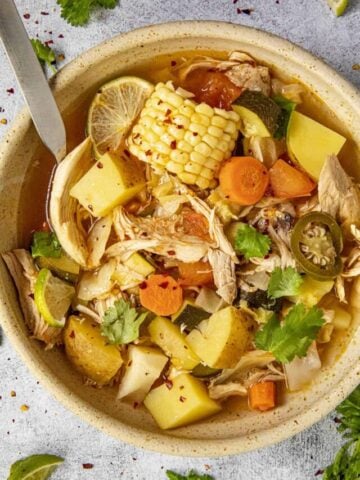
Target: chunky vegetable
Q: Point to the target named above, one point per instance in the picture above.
(183, 401)
(144, 366)
(112, 181)
(197, 273)
(63, 266)
(221, 340)
(311, 291)
(316, 243)
(89, 351)
(310, 143)
(161, 294)
(189, 315)
(294, 336)
(244, 180)
(121, 323)
(262, 396)
(289, 182)
(132, 271)
(170, 339)
(188, 139)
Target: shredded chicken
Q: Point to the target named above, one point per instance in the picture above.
(97, 240)
(22, 269)
(224, 274)
(338, 194)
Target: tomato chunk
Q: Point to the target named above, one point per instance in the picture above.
(289, 182)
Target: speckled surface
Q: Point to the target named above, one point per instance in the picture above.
(47, 426)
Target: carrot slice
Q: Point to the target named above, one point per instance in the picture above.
(289, 182)
(262, 396)
(244, 180)
(195, 274)
(161, 294)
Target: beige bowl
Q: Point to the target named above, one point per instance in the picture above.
(232, 431)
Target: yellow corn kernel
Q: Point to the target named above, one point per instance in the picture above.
(177, 133)
(218, 121)
(215, 131)
(189, 178)
(202, 182)
(203, 149)
(230, 128)
(193, 138)
(205, 109)
(197, 158)
(147, 121)
(150, 136)
(179, 157)
(175, 99)
(186, 110)
(211, 163)
(193, 167)
(232, 115)
(222, 113)
(158, 128)
(207, 173)
(184, 146)
(167, 139)
(196, 128)
(200, 119)
(210, 140)
(174, 167)
(223, 146)
(217, 155)
(161, 147)
(182, 121)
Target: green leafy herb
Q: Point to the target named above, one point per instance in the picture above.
(77, 12)
(346, 465)
(250, 242)
(44, 53)
(121, 323)
(192, 475)
(45, 244)
(294, 337)
(287, 107)
(284, 283)
(38, 467)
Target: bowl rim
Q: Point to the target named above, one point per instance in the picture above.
(160, 442)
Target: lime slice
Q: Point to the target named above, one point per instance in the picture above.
(35, 467)
(113, 111)
(52, 298)
(338, 6)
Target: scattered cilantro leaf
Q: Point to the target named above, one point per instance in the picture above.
(251, 243)
(284, 283)
(77, 12)
(350, 411)
(44, 53)
(45, 244)
(294, 337)
(192, 475)
(287, 107)
(121, 323)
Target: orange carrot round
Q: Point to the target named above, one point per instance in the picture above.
(262, 396)
(289, 182)
(161, 294)
(195, 274)
(244, 180)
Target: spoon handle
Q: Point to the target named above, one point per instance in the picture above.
(32, 81)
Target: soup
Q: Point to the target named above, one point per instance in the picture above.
(196, 249)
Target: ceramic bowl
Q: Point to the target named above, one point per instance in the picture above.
(232, 431)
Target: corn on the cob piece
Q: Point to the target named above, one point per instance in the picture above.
(186, 138)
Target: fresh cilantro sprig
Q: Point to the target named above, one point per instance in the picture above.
(77, 12)
(121, 323)
(192, 475)
(294, 336)
(346, 465)
(287, 107)
(251, 243)
(44, 53)
(284, 282)
(45, 244)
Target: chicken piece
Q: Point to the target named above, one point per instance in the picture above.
(224, 274)
(22, 269)
(251, 77)
(338, 194)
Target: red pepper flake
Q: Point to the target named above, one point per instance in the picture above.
(3, 121)
(195, 134)
(235, 1)
(44, 13)
(143, 285)
(163, 284)
(135, 405)
(72, 334)
(88, 466)
(182, 399)
(174, 288)
(173, 63)
(36, 22)
(173, 145)
(99, 165)
(26, 16)
(160, 102)
(168, 383)
(247, 11)
(179, 126)
(171, 252)
(148, 153)
(61, 35)
(49, 42)
(168, 121)
(168, 112)
(10, 91)
(127, 153)
(319, 472)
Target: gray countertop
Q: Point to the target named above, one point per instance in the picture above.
(47, 426)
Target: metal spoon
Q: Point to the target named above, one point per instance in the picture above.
(32, 81)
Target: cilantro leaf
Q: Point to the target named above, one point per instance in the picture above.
(45, 244)
(250, 242)
(350, 411)
(121, 323)
(192, 475)
(44, 53)
(284, 283)
(287, 107)
(294, 337)
(77, 12)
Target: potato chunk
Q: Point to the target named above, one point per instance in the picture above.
(169, 338)
(185, 402)
(144, 366)
(110, 182)
(221, 340)
(88, 350)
